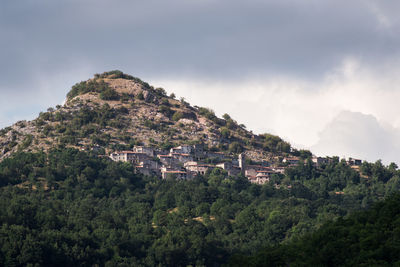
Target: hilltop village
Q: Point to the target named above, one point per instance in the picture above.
(189, 161)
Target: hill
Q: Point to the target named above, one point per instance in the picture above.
(64, 202)
(115, 111)
(369, 238)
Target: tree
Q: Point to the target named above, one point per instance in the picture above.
(226, 116)
(225, 132)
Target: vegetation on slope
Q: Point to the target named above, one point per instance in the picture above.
(69, 208)
(368, 238)
(115, 111)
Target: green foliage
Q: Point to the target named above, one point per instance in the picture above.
(166, 110)
(225, 133)
(72, 208)
(140, 96)
(109, 94)
(208, 113)
(226, 116)
(98, 86)
(117, 74)
(114, 74)
(274, 143)
(302, 153)
(161, 92)
(26, 142)
(369, 238)
(177, 116)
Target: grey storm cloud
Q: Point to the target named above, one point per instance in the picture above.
(221, 39)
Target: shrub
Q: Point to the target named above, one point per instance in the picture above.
(161, 92)
(88, 86)
(27, 141)
(140, 96)
(225, 132)
(165, 110)
(177, 116)
(274, 143)
(109, 94)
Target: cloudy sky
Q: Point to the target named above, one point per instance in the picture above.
(322, 74)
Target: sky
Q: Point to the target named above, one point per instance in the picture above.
(324, 75)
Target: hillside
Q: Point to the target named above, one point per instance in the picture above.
(369, 238)
(115, 111)
(65, 202)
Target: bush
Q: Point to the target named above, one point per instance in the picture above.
(177, 116)
(165, 110)
(89, 86)
(26, 142)
(274, 143)
(225, 132)
(140, 96)
(109, 94)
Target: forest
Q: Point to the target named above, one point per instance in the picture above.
(68, 207)
(367, 238)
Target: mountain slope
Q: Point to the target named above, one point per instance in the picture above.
(114, 111)
(368, 238)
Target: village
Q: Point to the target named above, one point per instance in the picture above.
(189, 161)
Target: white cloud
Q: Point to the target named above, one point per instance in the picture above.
(359, 135)
(307, 112)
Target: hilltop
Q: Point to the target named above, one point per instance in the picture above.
(115, 111)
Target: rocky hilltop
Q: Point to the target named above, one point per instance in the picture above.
(115, 111)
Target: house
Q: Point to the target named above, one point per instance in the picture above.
(152, 165)
(198, 152)
(291, 160)
(146, 150)
(190, 164)
(185, 149)
(253, 170)
(267, 172)
(250, 173)
(143, 170)
(354, 162)
(230, 168)
(121, 155)
(318, 161)
(181, 157)
(129, 156)
(168, 160)
(198, 168)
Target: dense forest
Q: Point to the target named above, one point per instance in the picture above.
(368, 238)
(69, 207)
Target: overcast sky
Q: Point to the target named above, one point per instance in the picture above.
(322, 74)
